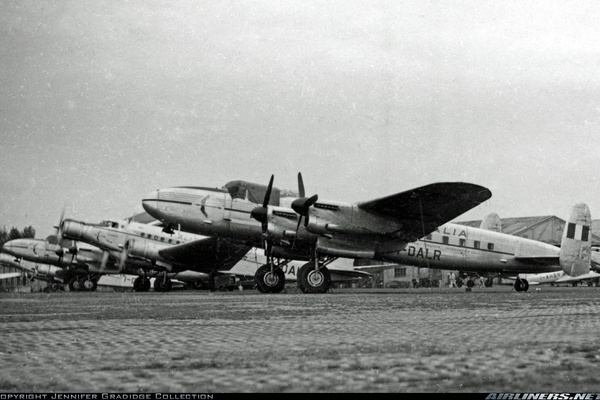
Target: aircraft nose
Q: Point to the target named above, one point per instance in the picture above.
(15, 247)
(149, 202)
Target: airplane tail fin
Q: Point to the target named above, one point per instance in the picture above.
(576, 244)
(492, 223)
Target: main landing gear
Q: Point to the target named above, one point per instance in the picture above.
(141, 284)
(269, 279)
(83, 283)
(162, 284)
(314, 277)
(521, 285)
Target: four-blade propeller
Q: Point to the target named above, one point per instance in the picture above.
(301, 206)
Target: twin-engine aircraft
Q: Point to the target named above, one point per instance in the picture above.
(258, 216)
(489, 252)
(166, 255)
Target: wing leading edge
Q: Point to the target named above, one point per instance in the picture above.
(423, 209)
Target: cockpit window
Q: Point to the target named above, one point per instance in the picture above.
(252, 192)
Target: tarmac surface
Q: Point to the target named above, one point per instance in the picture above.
(397, 340)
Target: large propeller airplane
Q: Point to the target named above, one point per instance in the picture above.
(53, 275)
(378, 229)
(167, 253)
(78, 265)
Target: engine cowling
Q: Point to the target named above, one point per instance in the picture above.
(144, 249)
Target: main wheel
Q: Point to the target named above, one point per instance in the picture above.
(162, 285)
(269, 282)
(489, 282)
(141, 284)
(197, 285)
(521, 285)
(90, 285)
(71, 285)
(312, 281)
(76, 285)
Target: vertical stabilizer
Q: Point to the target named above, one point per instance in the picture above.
(576, 245)
(492, 223)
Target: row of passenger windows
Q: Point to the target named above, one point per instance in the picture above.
(162, 238)
(463, 242)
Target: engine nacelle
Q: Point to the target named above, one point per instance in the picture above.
(321, 226)
(144, 249)
(282, 223)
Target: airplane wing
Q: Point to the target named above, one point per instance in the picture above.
(9, 275)
(425, 208)
(206, 254)
(538, 260)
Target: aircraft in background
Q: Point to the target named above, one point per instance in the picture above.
(166, 253)
(492, 253)
(557, 277)
(379, 229)
(51, 274)
(82, 265)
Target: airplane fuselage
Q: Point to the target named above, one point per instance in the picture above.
(463, 248)
(451, 246)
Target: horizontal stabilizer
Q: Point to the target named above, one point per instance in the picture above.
(538, 260)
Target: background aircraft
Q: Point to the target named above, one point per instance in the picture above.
(51, 274)
(166, 252)
(375, 229)
(82, 264)
(557, 277)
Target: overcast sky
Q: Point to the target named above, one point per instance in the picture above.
(105, 101)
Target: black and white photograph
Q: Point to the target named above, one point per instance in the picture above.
(200, 198)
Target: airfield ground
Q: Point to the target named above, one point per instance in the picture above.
(402, 340)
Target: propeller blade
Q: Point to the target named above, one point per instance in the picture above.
(124, 255)
(300, 185)
(104, 261)
(59, 227)
(296, 235)
(268, 194)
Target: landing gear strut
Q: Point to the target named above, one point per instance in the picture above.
(521, 285)
(141, 284)
(312, 279)
(268, 281)
(162, 284)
